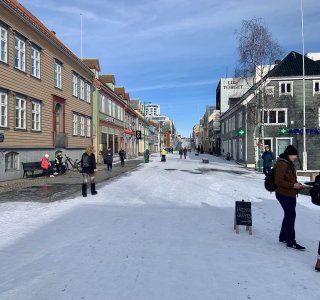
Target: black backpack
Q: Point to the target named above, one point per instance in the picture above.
(270, 181)
(315, 191)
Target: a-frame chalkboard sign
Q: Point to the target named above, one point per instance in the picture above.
(243, 216)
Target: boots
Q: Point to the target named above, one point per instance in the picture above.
(93, 189)
(84, 190)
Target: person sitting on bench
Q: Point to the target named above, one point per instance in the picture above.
(46, 166)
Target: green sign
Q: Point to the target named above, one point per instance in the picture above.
(241, 132)
(283, 130)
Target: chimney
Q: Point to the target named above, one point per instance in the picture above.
(278, 62)
(53, 32)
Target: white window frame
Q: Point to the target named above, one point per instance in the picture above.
(81, 88)
(82, 125)
(281, 138)
(36, 116)
(20, 112)
(103, 104)
(269, 90)
(75, 124)
(88, 129)
(74, 84)
(3, 109)
(286, 93)
(113, 110)
(88, 92)
(57, 75)
(314, 87)
(277, 116)
(19, 53)
(3, 44)
(15, 161)
(35, 61)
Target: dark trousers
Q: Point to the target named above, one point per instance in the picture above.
(287, 232)
(122, 161)
(266, 170)
(109, 166)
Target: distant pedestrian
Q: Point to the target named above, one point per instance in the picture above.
(163, 155)
(267, 157)
(109, 159)
(147, 155)
(181, 153)
(122, 155)
(287, 188)
(185, 152)
(46, 166)
(89, 168)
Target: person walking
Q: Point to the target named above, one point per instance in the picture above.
(287, 188)
(267, 158)
(109, 159)
(163, 155)
(185, 152)
(181, 153)
(89, 168)
(122, 155)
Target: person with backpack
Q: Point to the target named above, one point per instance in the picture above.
(287, 188)
(267, 158)
(88, 165)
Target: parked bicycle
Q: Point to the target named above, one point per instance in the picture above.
(72, 164)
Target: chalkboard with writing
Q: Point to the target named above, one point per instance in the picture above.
(243, 214)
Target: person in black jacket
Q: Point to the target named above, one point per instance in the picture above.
(267, 157)
(89, 168)
(109, 158)
(122, 155)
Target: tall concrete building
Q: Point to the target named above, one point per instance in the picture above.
(152, 110)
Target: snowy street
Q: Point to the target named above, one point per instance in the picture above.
(163, 232)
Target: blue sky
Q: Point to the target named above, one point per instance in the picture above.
(172, 52)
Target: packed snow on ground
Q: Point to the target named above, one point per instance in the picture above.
(164, 231)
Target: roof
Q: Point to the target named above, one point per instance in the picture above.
(127, 96)
(107, 79)
(120, 91)
(92, 63)
(292, 66)
(135, 104)
(25, 15)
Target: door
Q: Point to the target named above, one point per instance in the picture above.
(282, 143)
(58, 118)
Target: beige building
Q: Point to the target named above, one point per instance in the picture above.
(45, 93)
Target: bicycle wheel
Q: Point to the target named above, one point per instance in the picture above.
(78, 166)
(67, 166)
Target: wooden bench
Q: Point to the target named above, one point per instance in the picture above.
(205, 160)
(311, 174)
(31, 167)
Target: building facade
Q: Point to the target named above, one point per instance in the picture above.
(45, 93)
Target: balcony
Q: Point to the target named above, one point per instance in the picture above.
(60, 140)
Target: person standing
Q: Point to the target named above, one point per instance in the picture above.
(89, 168)
(185, 152)
(287, 188)
(109, 159)
(163, 153)
(122, 155)
(181, 153)
(267, 158)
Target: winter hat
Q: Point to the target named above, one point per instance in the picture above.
(290, 150)
(46, 155)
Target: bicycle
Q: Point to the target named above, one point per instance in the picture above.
(73, 164)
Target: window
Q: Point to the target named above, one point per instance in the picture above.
(75, 124)
(113, 109)
(75, 85)
(82, 125)
(269, 91)
(3, 109)
(21, 113)
(81, 89)
(11, 161)
(286, 88)
(57, 74)
(36, 115)
(88, 127)
(35, 62)
(316, 87)
(19, 54)
(103, 104)
(88, 98)
(3, 44)
(275, 117)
